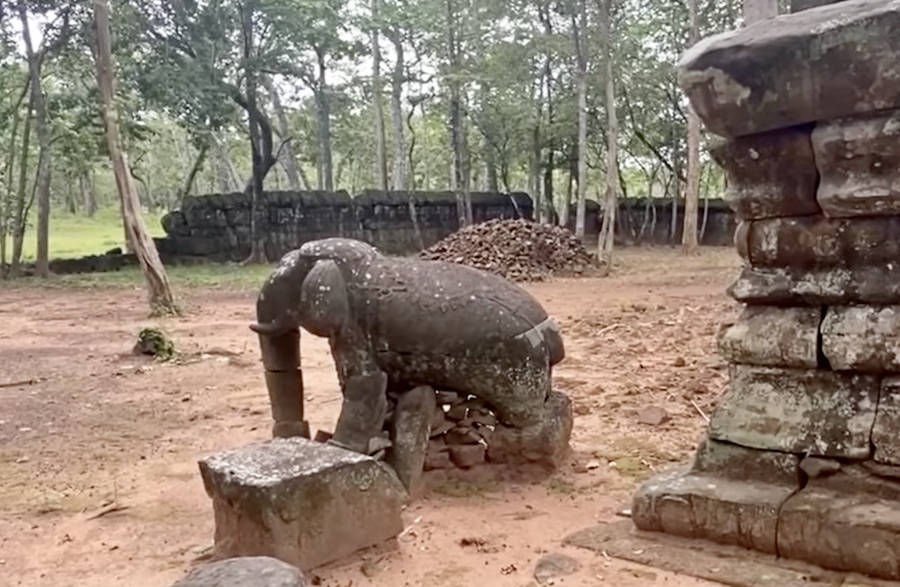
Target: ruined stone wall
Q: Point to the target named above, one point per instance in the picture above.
(802, 456)
(217, 226)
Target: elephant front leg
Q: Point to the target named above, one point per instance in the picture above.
(363, 411)
(284, 381)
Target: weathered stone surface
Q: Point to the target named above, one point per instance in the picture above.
(248, 571)
(783, 72)
(857, 479)
(553, 566)
(409, 434)
(730, 461)
(546, 443)
(466, 456)
(812, 412)
(815, 467)
(862, 338)
(300, 501)
(772, 336)
(437, 461)
(798, 5)
(818, 287)
(770, 175)
(858, 161)
(842, 532)
(743, 513)
(885, 437)
(810, 242)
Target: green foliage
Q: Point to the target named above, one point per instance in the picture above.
(180, 86)
(156, 343)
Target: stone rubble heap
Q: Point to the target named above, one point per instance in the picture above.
(802, 456)
(427, 430)
(518, 250)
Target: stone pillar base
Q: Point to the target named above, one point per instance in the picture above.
(848, 519)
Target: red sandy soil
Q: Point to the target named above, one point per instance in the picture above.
(104, 430)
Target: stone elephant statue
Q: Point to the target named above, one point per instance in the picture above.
(394, 323)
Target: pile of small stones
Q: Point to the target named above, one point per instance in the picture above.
(518, 250)
(461, 428)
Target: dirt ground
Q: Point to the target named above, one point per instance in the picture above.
(102, 430)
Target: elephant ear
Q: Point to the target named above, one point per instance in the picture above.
(323, 299)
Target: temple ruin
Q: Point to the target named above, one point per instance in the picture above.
(802, 454)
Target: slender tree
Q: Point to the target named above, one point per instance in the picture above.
(607, 228)
(160, 292)
(689, 241)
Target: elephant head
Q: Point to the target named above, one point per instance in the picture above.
(307, 290)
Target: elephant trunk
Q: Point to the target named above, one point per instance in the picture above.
(279, 342)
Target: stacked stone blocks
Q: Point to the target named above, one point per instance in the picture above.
(802, 455)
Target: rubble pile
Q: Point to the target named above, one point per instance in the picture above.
(518, 250)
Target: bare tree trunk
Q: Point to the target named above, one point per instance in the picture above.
(226, 174)
(23, 206)
(759, 10)
(7, 201)
(42, 130)
(297, 179)
(323, 102)
(607, 230)
(161, 298)
(258, 174)
(579, 31)
(381, 173)
(689, 244)
(401, 163)
(90, 195)
(191, 177)
(458, 179)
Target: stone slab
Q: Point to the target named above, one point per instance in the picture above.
(691, 505)
(773, 336)
(798, 5)
(844, 532)
(811, 242)
(834, 61)
(719, 563)
(858, 479)
(858, 161)
(300, 501)
(818, 287)
(738, 463)
(247, 571)
(410, 429)
(810, 412)
(885, 437)
(545, 444)
(770, 175)
(862, 338)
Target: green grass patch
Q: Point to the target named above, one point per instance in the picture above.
(73, 235)
(211, 276)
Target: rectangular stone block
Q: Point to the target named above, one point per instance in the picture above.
(738, 463)
(770, 175)
(773, 336)
(820, 287)
(817, 242)
(810, 412)
(859, 165)
(798, 5)
(862, 338)
(300, 501)
(742, 513)
(885, 437)
(831, 62)
(843, 532)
